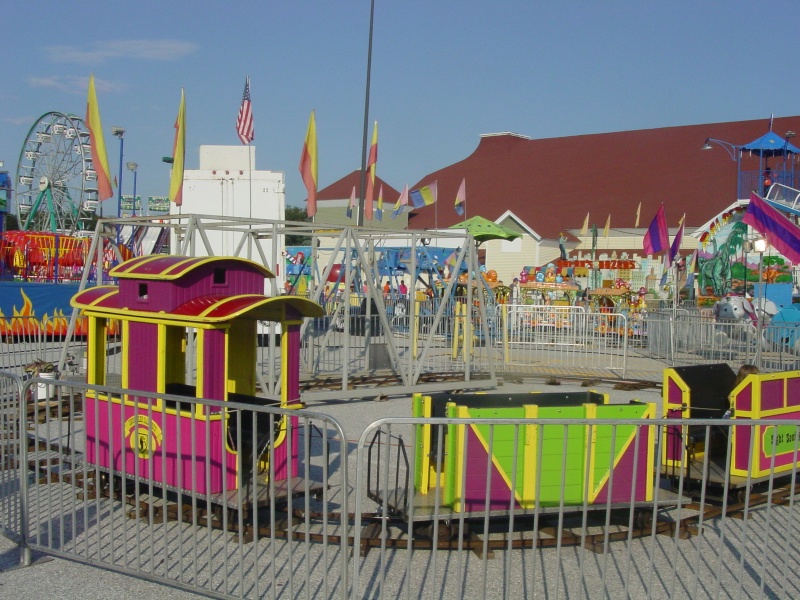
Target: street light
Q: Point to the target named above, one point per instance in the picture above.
(132, 167)
(735, 152)
(120, 133)
(760, 245)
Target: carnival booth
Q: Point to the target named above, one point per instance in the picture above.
(162, 302)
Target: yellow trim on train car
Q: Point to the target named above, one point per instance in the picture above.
(178, 268)
(589, 494)
(161, 342)
(594, 487)
(199, 354)
(267, 309)
(284, 361)
(424, 468)
(157, 406)
(530, 456)
(670, 375)
(651, 452)
(461, 412)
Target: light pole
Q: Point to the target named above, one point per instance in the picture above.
(735, 152)
(120, 133)
(132, 166)
(760, 246)
(789, 135)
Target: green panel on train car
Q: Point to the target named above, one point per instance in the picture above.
(603, 435)
(554, 458)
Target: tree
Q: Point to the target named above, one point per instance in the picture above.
(297, 214)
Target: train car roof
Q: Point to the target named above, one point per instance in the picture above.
(167, 267)
(104, 300)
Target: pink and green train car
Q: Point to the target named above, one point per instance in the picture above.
(507, 467)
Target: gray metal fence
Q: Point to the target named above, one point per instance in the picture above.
(691, 337)
(701, 532)
(30, 342)
(706, 537)
(566, 337)
(250, 535)
(11, 432)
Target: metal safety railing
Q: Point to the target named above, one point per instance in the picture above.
(535, 520)
(12, 431)
(198, 494)
(468, 507)
(567, 337)
(693, 337)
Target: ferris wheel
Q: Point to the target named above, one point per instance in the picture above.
(56, 184)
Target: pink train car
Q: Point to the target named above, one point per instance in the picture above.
(710, 392)
(159, 302)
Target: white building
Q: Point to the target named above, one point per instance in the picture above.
(228, 185)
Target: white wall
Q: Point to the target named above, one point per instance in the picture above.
(224, 186)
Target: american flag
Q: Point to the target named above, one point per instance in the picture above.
(244, 123)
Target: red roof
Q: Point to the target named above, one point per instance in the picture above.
(552, 183)
(341, 189)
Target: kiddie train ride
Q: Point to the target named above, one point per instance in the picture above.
(161, 301)
(608, 459)
(611, 456)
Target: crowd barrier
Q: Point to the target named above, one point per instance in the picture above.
(11, 433)
(690, 337)
(175, 504)
(354, 521)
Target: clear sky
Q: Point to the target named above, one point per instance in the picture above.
(443, 72)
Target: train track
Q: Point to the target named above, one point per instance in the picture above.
(594, 531)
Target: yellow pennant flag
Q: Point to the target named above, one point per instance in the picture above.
(98, 144)
(585, 228)
(308, 165)
(608, 226)
(371, 166)
(178, 155)
(638, 212)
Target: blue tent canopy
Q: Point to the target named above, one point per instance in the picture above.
(771, 144)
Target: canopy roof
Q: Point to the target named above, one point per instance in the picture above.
(483, 229)
(771, 144)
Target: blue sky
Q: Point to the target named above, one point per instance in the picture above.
(443, 72)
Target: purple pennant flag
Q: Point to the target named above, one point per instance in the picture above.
(656, 240)
(779, 231)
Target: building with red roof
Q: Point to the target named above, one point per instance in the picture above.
(551, 184)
